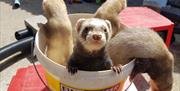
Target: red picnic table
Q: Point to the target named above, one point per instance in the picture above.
(145, 17)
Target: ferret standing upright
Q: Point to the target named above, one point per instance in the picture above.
(110, 10)
(89, 51)
(156, 59)
(58, 31)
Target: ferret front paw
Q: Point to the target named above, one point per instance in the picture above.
(117, 69)
(72, 70)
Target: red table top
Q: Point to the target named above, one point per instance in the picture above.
(144, 17)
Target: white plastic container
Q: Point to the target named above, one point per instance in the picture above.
(59, 79)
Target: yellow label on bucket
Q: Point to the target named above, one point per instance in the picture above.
(53, 84)
(56, 85)
(117, 87)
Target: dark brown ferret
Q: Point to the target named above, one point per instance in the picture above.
(58, 31)
(110, 11)
(89, 52)
(144, 43)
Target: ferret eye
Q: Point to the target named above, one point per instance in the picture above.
(86, 29)
(85, 32)
(105, 30)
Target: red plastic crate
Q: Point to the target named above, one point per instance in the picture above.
(26, 79)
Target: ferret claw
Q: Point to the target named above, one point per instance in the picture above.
(72, 70)
(117, 69)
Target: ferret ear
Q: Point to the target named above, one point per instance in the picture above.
(79, 24)
(109, 25)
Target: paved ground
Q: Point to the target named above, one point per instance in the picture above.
(12, 20)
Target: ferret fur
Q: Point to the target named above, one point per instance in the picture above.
(110, 10)
(147, 44)
(58, 31)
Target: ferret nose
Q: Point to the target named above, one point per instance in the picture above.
(96, 37)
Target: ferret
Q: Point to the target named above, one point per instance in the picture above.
(155, 58)
(58, 31)
(110, 10)
(143, 44)
(89, 51)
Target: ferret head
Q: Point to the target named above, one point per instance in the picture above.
(93, 33)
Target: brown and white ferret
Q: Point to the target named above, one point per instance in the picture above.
(155, 58)
(58, 31)
(110, 10)
(89, 51)
(152, 55)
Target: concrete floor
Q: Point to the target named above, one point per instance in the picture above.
(12, 20)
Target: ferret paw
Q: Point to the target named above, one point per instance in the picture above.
(117, 69)
(72, 70)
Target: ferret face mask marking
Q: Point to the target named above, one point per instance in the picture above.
(93, 33)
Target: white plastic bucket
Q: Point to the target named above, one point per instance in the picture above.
(59, 79)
